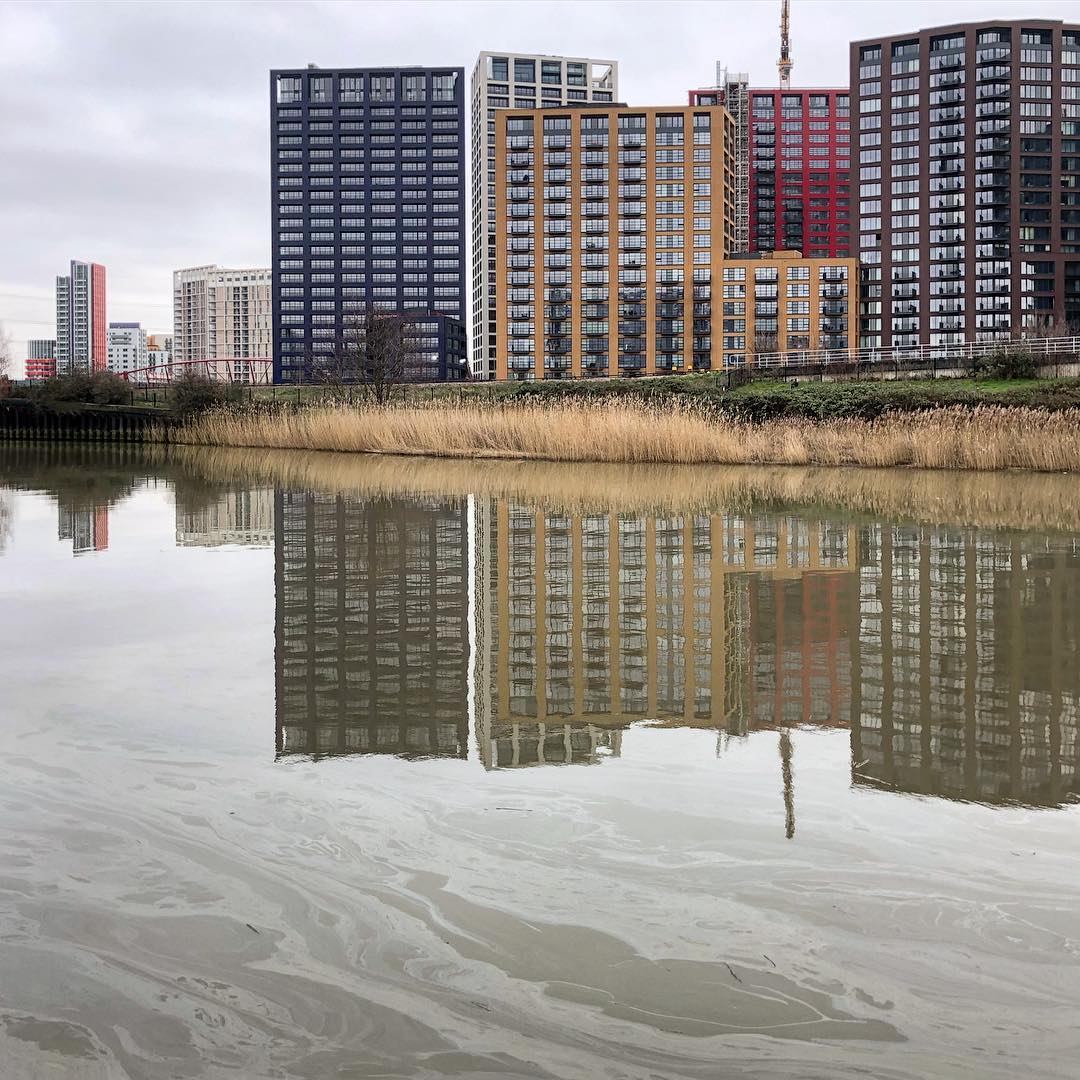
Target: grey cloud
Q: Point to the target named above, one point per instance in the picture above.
(136, 134)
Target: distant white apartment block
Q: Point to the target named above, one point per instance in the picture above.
(127, 350)
(514, 81)
(221, 314)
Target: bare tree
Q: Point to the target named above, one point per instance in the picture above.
(764, 344)
(369, 357)
(7, 355)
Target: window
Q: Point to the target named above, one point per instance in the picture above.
(382, 87)
(413, 87)
(351, 88)
(525, 71)
(443, 86)
(289, 89)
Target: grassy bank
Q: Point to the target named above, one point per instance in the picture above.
(758, 400)
(984, 437)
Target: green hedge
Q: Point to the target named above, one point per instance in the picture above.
(778, 400)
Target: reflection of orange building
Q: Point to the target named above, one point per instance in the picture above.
(601, 620)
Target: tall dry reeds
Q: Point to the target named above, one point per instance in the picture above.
(985, 499)
(986, 437)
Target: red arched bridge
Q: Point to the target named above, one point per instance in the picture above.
(249, 370)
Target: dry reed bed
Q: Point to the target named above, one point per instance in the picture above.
(986, 437)
(983, 499)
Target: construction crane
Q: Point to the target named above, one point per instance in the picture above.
(784, 63)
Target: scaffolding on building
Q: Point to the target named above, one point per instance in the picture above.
(736, 97)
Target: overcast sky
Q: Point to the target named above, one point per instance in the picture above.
(136, 134)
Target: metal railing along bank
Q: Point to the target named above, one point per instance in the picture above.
(925, 359)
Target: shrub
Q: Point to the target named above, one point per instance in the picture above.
(193, 393)
(1015, 361)
(99, 388)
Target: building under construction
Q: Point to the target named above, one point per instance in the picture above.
(792, 169)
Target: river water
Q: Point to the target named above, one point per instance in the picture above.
(319, 766)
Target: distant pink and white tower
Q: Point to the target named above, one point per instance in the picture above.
(81, 343)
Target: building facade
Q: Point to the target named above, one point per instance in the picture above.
(127, 350)
(968, 159)
(610, 224)
(963, 686)
(40, 359)
(221, 314)
(781, 302)
(519, 81)
(368, 212)
(159, 349)
(80, 319)
(792, 166)
(372, 636)
(239, 516)
(588, 622)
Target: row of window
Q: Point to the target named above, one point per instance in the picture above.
(408, 87)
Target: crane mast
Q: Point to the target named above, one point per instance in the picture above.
(784, 63)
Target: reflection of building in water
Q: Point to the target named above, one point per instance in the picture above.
(799, 668)
(593, 621)
(371, 621)
(513, 745)
(966, 676)
(242, 516)
(86, 527)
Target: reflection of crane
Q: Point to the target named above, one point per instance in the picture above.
(786, 749)
(784, 63)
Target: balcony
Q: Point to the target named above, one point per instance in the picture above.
(675, 293)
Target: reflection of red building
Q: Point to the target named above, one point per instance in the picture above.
(800, 659)
(86, 528)
(101, 528)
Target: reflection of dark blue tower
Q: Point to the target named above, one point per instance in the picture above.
(371, 623)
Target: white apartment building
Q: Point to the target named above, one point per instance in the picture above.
(127, 350)
(221, 314)
(514, 81)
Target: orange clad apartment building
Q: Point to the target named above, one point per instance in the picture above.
(614, 237)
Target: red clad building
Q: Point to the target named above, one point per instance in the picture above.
(793, 148)
(99, 346)
(40, 358)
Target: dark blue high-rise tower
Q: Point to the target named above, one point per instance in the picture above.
(368, 213)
